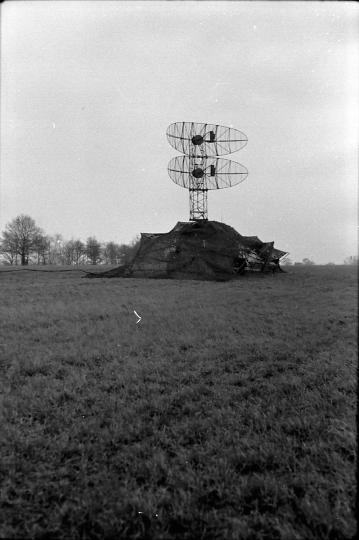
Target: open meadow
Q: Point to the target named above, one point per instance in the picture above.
(227, 412)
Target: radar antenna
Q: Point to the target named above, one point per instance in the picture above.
(200, 169)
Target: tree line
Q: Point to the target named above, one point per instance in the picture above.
(23, 243)
(351, 261)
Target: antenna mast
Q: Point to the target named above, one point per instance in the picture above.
(198, 208)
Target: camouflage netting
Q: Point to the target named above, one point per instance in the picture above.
(198, 250)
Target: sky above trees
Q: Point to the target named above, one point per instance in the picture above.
(89, 88)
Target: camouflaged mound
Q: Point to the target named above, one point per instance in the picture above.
(198, 250)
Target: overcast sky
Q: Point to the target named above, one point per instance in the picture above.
(89, 88)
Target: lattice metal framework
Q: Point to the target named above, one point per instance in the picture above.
(200, 169)
(198, 201)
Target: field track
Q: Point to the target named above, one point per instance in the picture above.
(227, 412)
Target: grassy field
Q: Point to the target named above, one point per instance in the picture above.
(228, 412)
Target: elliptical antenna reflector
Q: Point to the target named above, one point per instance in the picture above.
(217, 173)
(192, 138)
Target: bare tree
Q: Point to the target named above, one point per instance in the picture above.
(8, 249)
(128, 251)
(42, 248)
(93, 250)
(69, 252)
(20, 237)
(111, 253)
(56, 250)
(79, 251)
(72, 252)
(308, 262)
